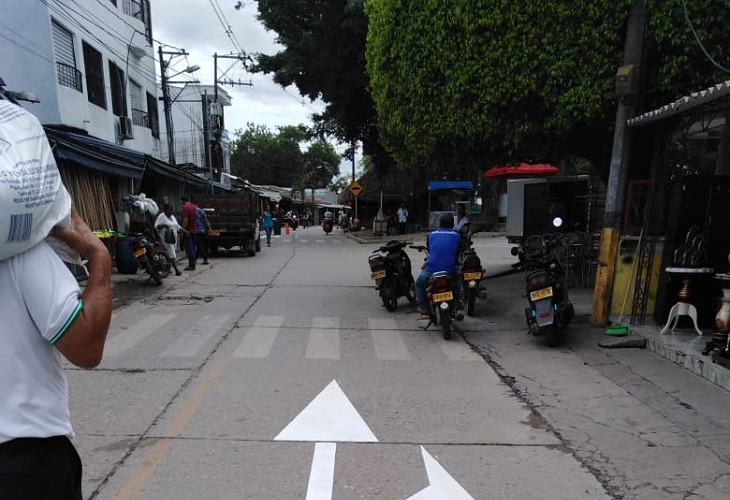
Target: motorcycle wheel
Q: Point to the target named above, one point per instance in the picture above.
(470, 294)
(387, 293)
(164, 265)
(411, 293)
(151, 271)
(445, 319)
(552, 334)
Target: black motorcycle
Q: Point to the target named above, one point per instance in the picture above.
(442, 303)
(328, 225)
(390, 268)
(549, 310)
(152, 260)
(470, 270)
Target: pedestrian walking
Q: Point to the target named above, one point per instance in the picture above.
(201, 237)
(268, 226)
(190, 225)
(168, 229)
(402, 218)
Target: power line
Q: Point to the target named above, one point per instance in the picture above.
(697, 38)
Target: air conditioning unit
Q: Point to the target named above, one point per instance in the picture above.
(126, 130)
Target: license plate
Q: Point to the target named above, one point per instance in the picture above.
(139, 251)
(542, 293)
(377, 275)
(441, 297)
(472, 276)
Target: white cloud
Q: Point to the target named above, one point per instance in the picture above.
(193, 25)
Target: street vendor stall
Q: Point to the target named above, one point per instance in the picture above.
(443, 197)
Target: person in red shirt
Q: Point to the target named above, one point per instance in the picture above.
(190, 228)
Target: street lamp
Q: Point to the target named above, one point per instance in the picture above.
(166, 98)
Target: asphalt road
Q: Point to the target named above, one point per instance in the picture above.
(281, 376)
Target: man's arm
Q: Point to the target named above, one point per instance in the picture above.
(83, 343)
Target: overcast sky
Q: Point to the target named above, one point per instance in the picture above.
(206, 27)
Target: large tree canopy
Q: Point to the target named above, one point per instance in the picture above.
(324, 56)
(462, 81)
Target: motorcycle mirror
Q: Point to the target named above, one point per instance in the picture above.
(514, 251)
(557, 222)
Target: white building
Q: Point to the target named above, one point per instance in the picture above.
(189, 128)
(91, 63)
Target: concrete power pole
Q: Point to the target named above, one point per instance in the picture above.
(627, 87)
(166, 107)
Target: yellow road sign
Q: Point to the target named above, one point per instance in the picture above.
(355, 188)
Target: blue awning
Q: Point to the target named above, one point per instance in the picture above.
(441, 185)
(96, 154)
(173, 172)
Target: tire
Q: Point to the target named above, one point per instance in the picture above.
(258, 245)
(552, 334)
(164, 265)
(151, 271)
(445, 320)
(470, 297)
(387, 293)
(251, 249)
(411, 293)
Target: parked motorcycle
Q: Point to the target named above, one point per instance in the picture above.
(152, 260)
(442, 305)
(390, 267)
(549, 310)
(471, 272)
(327, 225)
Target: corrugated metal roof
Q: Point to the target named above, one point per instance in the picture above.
(684, 105)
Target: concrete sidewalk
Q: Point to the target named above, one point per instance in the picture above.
(683, 346)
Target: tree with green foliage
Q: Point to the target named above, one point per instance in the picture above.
(470, 83)
(324, 56)
(264, 157)
(321, 165)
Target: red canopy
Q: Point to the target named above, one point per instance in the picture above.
(523, 169)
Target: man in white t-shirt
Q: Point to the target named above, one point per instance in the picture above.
(44, 317)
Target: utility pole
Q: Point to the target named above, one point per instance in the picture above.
(166, 101)
(166, 106)
(216, 157)
(627, 91)
(206, 138)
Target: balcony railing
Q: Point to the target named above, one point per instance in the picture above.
(133, 8)
(69, 76)
(140, 118)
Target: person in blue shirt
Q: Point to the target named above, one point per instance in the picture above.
(443, 246)
(268, 224)
(201, 237)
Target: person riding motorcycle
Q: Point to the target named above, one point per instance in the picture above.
(443, 245)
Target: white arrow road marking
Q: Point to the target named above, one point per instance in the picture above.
(330, 417)
(441, 484)
(322, 475)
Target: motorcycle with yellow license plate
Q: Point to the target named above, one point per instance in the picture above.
(390, 268)
(469, 267)
(441, 293)
(549, 310)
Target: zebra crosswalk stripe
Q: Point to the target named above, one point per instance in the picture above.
(388, 341)
(260, 338)
(324, 339)
(189, 343)
(128, 337)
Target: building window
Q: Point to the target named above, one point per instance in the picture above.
(63, 49)
(153, 119)
(94, 75)
(119, 98)
(140, 9)
(139, 116)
